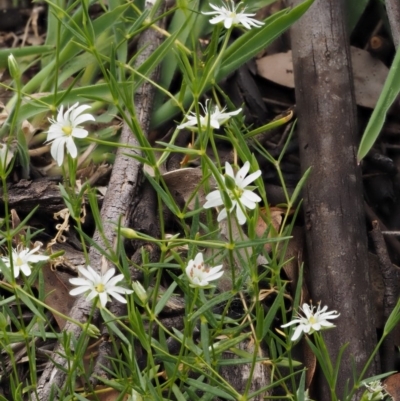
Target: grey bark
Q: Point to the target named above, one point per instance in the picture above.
(123, 184)
(334, 214)
(393, 11)
(391, 294)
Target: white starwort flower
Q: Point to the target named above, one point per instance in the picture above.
(230, 16)
(213, 118)
(312, 322)
(21, 259)
(63, 131)
(375, 391)
(200, 275)
(241, 197)
(101, 286)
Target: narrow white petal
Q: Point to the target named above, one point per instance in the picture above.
(297, 333)
(294, 321)
(108, 274)
(89, 273)
(252, 177)
(103, 299)
(16, 271)
(78, 290)
(228, 23)
(71, 147)
(223, 214)
(92, 294)
(25, 269)
(214, 276)
(229, 170)
(117, 297)
(246, 203)
(250, 196)
(241, 174)
(198, 259)
(81, 281)
(240, 215)
(210, 12)
(37, 258)
(192, 121)
(120, 290)
(79, 133)
(57, 150)
(214, 199)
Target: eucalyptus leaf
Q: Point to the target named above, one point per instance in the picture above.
(390, 91)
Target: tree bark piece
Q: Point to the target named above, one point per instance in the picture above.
(123, 185)
(393, 11)
(391, 294)
(334, 215)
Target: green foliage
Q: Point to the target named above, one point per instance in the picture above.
(390, 91)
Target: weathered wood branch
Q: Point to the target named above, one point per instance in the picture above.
(333, 207)
(124, 181)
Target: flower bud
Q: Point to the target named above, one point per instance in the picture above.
(140, 291)
(129, 233)
(13, 68)
(229, 182)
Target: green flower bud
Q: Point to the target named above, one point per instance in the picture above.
(140, 291)
(229, 182)
(13, 67)
(129, 233)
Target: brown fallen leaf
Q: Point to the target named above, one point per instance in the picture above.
(57, 287)
(369, 73)
(392, 384)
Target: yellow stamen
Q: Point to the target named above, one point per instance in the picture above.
(67, 130)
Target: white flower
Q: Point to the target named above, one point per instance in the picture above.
(312, 321)
(376, 391)
(22, 258)
(63, 131)
(200, 275)
(214, 118)
(230, 16)
(101, 286)
(241, 197)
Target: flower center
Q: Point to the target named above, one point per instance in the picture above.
(100, 288)
(236, 193)
(312, 320)
(67, 130)
(232, 15)
(19, 261)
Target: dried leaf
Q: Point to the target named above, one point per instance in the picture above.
(57, 287)
(369, 73)
(393, 386)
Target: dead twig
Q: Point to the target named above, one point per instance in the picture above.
(124, 182)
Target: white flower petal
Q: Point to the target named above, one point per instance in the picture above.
(223, 214)
(71, 147)
(240, 215)
(229, 170)
(297, 333)
(78, 290)
(79, 133)
(252, 177)
(118, 297)
(57, 150)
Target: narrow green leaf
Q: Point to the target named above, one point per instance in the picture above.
(389, 93)
(23, 52)
(216, 391)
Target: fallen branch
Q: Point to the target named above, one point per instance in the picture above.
(124, 182)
